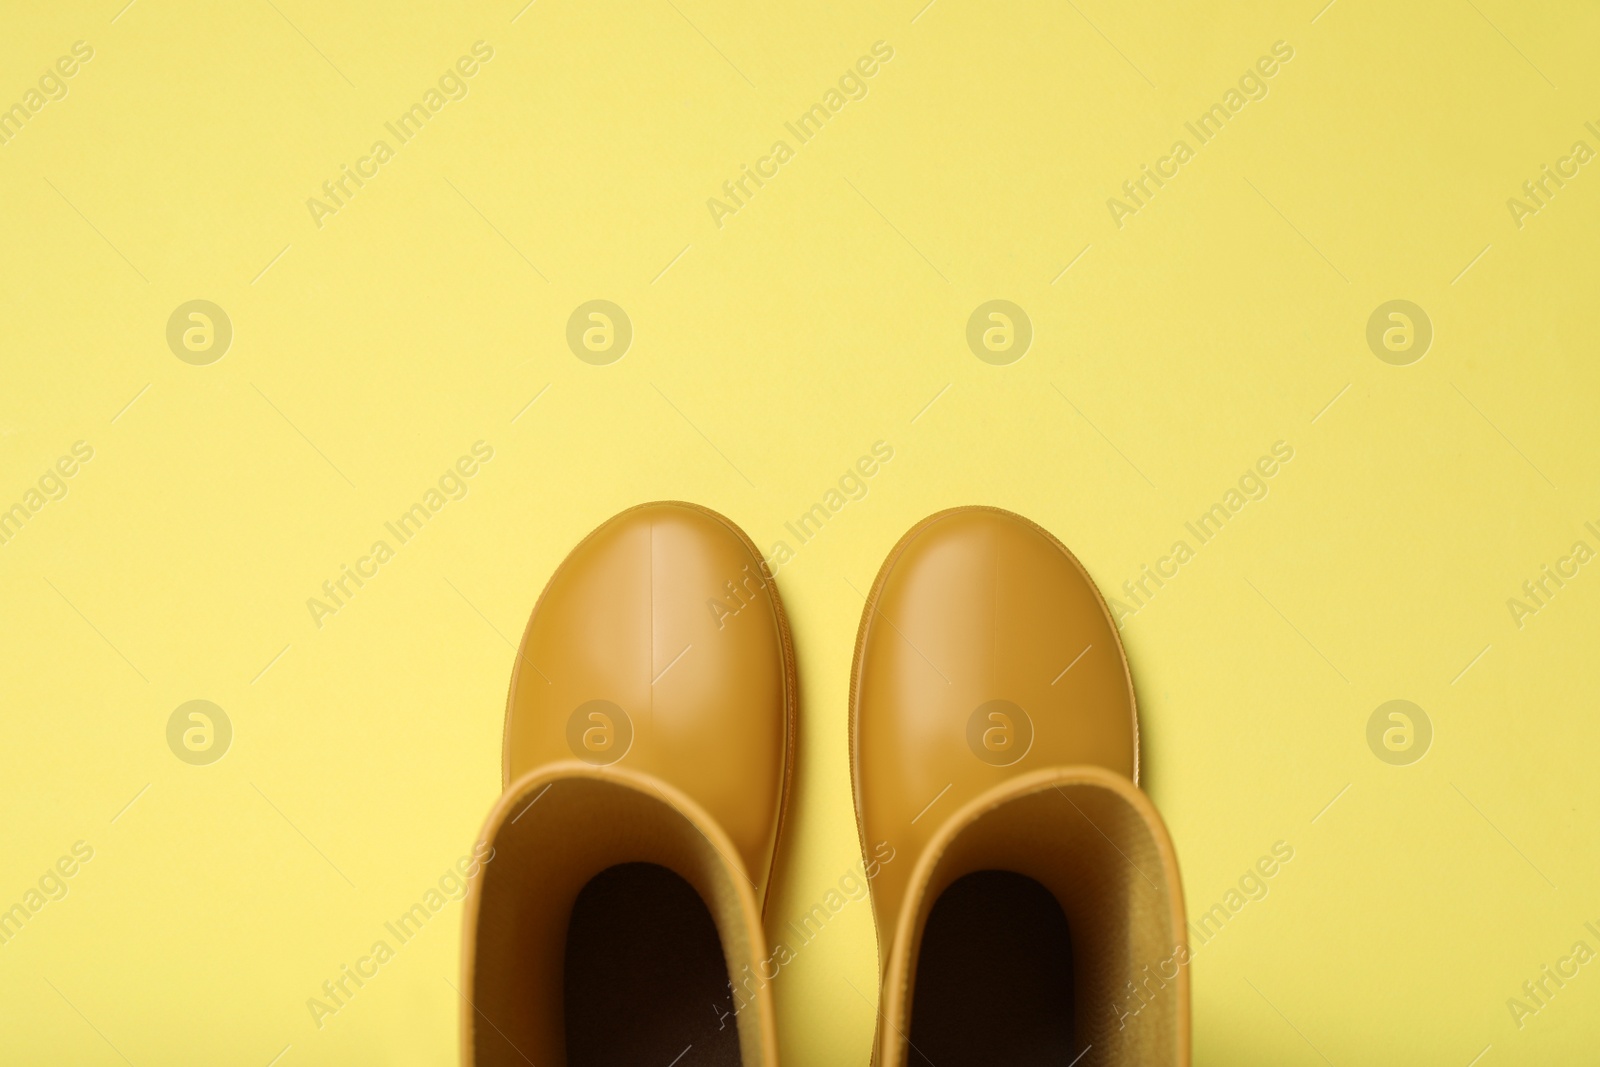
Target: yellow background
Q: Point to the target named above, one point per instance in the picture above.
(824, 316)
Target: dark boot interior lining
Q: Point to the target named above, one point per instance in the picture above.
(645, 977)
(994, 977)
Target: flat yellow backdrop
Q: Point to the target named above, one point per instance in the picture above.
(1177, 336)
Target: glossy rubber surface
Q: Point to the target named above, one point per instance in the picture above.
(985, 652)
(659, 646)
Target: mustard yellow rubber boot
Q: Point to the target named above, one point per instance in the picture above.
(1033, 890)
(647, 760)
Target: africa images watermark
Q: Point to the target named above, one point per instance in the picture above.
(1537, 192)
(853, 887)
(1252, 85)
(51, 886)
(340, 990)
(1252, 485)
(1538, 992)
(451, 85)
(1542, 588)
(1253, 885)
(352, 578)
(742, 588)
(51, 87)
(852, 85)
(51, 486)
